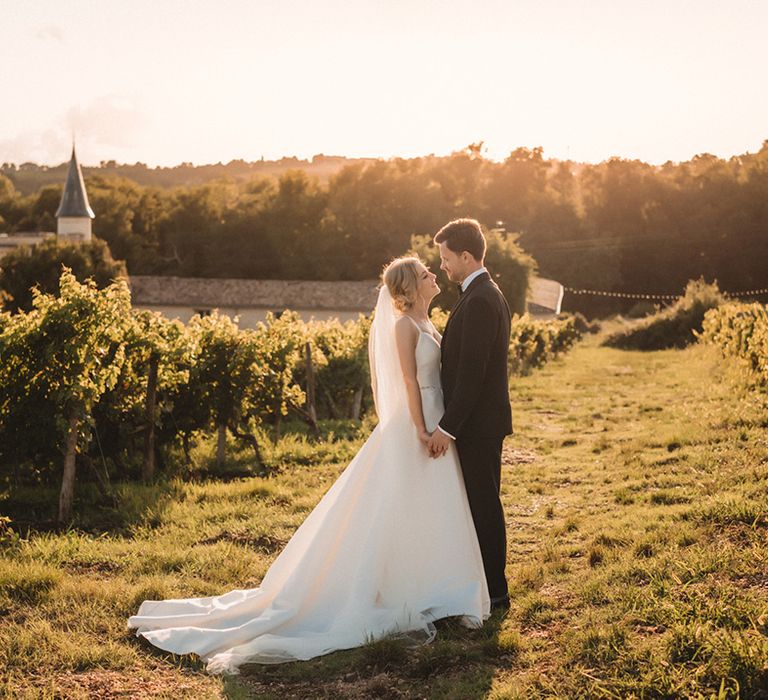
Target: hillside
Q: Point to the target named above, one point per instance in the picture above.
(28, 178)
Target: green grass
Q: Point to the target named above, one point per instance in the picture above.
(636, 493)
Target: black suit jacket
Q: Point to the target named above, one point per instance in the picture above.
(474, 373)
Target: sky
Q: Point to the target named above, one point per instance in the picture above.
(167, 81)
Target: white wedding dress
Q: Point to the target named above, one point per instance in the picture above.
(390, 548)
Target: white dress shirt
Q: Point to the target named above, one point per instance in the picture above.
(468, 279)
(464, 284)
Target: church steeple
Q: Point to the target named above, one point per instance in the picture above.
(74, 213)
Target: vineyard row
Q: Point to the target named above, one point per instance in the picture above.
(84, 378)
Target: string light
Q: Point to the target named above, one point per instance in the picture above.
(656, 297)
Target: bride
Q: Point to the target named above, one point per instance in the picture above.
(390, 548)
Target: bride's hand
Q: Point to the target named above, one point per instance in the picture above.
(425, 437)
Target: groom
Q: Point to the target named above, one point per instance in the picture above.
(476, 391)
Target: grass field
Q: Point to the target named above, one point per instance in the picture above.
(636, 492)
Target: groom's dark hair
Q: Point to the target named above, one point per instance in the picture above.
(463, 234)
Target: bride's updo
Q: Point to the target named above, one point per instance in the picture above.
(402, 279)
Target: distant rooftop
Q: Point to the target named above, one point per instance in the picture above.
(258, 294)
(12, 240)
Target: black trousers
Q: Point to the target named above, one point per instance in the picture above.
(481, 467)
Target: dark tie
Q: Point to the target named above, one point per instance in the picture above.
(461, 290)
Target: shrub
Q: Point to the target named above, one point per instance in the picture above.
(533, 342)
(581, 323)
(675, 326)
(643, 309)
(40, 266)
(740, 330)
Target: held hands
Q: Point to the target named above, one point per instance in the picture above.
(438, 444)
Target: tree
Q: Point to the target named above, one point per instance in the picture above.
(515, 188)
(621, 225)
(7, 190)
(373, 210)
(40, 266)
(129, 218)
(190, 235)
(293, 220)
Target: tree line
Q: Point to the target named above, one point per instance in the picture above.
(29, 178)
(621, 225)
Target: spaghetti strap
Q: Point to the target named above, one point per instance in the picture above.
(418, 327)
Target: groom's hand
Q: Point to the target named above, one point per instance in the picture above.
(438, 444)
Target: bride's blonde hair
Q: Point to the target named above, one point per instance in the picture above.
(402, 279)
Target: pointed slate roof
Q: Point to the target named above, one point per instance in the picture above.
(74, 200)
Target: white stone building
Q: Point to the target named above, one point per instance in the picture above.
(11, 241)
(251, 300)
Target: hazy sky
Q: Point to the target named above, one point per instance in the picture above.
(166, 81)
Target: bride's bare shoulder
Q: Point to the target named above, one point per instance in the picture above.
(406, 326)
(406, 329)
